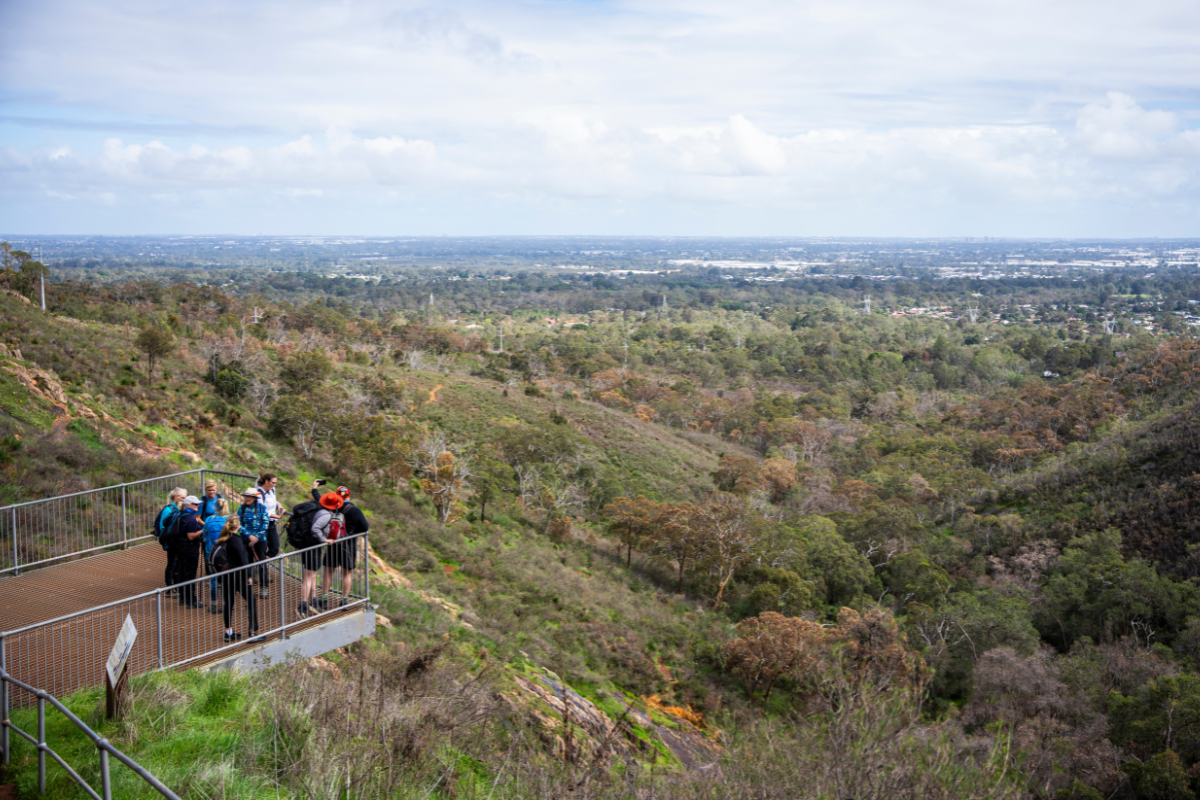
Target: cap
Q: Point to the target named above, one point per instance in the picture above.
(191, 500)
(343, 492)
(251, 492)
(331, 501)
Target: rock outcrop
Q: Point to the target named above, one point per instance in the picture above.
(580, 729)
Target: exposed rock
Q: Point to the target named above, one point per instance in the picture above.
(322, 664)
(45, 386)
(40, 383)
(593, 733)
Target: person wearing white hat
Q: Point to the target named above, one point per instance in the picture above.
(255, 521)
(187, 560)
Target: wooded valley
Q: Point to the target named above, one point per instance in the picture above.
(942, 544)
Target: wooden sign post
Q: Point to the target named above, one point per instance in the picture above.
(116, 677)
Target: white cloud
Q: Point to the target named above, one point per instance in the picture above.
(751, 150)
(1120, 128)
(938, 113)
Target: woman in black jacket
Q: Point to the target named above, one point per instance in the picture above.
(230, 553)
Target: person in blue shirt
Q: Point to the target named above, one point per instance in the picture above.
(255, 521)
(208, 503)
(212, 531)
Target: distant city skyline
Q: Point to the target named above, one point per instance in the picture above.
(855, 118)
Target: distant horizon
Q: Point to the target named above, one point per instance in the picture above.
(727, 237)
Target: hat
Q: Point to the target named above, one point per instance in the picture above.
(251, 492)
(191, 500)
(343, 492)
(331, 501)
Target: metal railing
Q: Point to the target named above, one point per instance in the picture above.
(41, 532)
(67, 653)
(103, 747)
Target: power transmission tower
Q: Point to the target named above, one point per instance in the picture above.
(973, 312)
(867, 304)
(1110, 325)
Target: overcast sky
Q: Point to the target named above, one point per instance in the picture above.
(845, 117)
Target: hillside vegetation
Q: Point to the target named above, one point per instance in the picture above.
(753, 544)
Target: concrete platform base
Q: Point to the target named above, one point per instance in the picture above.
(338, 632)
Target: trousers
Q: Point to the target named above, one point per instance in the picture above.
(230, 587)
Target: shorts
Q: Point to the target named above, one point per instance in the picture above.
(342, 554)
(311, 559)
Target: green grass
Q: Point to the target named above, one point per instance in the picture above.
(190, 730)
(17, 402)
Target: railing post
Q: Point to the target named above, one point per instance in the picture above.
(41, 746)
(105, 778)
(158, 625)
(367, 566)
(282, 604)
(124, 520)
(13, 528)
(3, 699)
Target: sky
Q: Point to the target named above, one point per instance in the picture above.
(1073, 118)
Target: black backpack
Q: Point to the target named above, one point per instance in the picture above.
(161, 524)
(299, 526)
(171, 530)
(220, 557)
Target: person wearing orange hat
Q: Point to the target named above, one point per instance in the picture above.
(343, 554)
(328, 524)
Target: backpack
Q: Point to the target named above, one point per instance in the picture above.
(219, 557)
(171, 530)
(337, 526)
(161, 524)
(299, 526)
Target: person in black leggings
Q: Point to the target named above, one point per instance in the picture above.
(235, 581)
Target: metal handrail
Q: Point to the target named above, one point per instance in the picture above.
(256, 566)
(43, 514)
(103, 746)
(281, 566)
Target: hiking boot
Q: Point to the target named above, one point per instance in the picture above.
(303, 611)
(214, 609)
(263, 593)
(232, 637)
(321, 603)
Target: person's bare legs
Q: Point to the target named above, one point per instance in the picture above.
(327, 584)
(309, 589)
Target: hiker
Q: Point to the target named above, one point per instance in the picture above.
(212, 531)
(164, 522)
(275, 510)
(342, 554)
(230, 557)
(208, 503)
(188, 543)
(254, 520)
(326, 523)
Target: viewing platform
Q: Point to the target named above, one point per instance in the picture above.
(60, 616)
